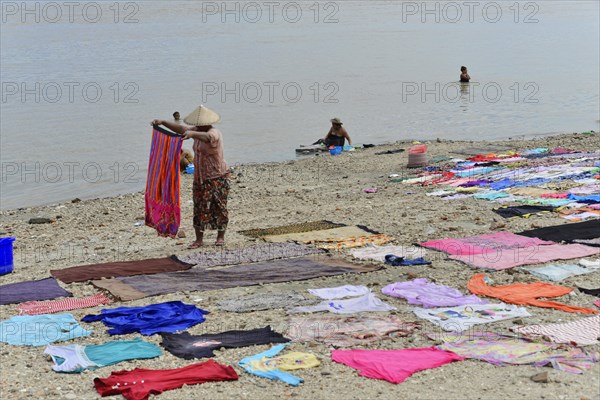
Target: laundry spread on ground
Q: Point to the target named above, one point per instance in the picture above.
(252, 254)
(187, 346)
(524, 211)
(378, 253)
(340, 292)
(171, 316)
(393, 365)
(395, 261)
(510, 258)
(348, 331)
(269, 365)
(198, 279)
(366, 303)
(263, 301)
(581, 332)
(424, 293)
(559, 272)
(54, 306)
(162, 185)
(463, 318)
(77, 358)
(292, 228)
(40, 330)
(529, 184)
(490, 243)
(139, 383)
(85, 273)
(566, 232)
(350, 242)
(593, 292)
(526, 294)
(312, 236)
(43, 289)
(504, 350)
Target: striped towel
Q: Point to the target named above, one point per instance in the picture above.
(582, 332)
(162, 186)
(54, 306)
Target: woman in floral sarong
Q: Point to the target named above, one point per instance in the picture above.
(211, 175)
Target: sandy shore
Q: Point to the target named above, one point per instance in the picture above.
(267, 195)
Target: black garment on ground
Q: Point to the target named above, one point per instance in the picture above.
(593, 292)
(184, 345)
(390, 152)
(520, 211)
(567, 232)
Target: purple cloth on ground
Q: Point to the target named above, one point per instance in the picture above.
(44, 289)
(424, 293)
(481, 182)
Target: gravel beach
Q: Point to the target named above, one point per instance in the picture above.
(267, 195)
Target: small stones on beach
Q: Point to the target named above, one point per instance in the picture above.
(181, 234)
(542, 377)
(497, 225)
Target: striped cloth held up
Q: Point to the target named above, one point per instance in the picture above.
(162, 186)
(54, 306)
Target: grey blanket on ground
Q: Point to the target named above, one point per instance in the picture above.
(252, 254)
(43, 289)
(263, 301)
(202, 279)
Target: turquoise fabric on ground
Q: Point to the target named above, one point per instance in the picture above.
(76, 358)
(274, 374)
(40, 330)
(491, 195)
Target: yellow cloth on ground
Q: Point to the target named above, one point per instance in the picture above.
(287, 362)
(352, 242)
(320, 235)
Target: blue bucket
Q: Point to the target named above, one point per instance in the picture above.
(6, 255)
(336, 150)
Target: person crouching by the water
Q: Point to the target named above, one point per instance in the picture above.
(336, 136)
(177, 117)
(187, 158)
(464, 74)
(211, 175)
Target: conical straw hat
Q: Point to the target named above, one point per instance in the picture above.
(202, 116)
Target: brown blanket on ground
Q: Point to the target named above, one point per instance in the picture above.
(84, 273)
(292, 228)
(200, 279)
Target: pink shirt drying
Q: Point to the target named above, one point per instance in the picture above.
(393, 365)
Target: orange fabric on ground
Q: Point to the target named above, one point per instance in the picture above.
(526, 294)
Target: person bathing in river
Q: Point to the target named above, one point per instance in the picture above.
(464, 74)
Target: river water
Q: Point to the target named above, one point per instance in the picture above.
(80, 83)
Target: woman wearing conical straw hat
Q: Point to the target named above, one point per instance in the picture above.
(211, 183)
